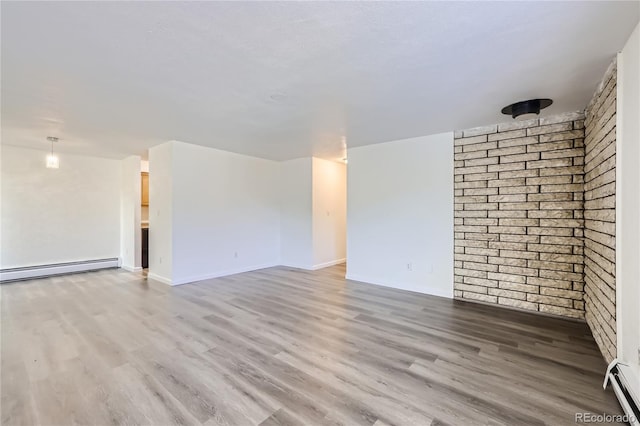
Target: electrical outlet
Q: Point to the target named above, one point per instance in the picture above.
(235, 254)
(409, 266)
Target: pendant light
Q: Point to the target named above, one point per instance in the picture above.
(53, 162)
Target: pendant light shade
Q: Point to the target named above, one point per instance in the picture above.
(53, 162)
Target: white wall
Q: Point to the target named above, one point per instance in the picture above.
(628, 204)
(226, 212)
(58, 215)
(329, 212)
(296, 246)
(130, 211)
(400, 214)
(161, 172)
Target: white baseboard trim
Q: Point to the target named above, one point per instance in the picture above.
(399, 286)
(131, 268)
(159, 278)
(217, 274)
(327, 264)
(39, 271)
(290, 265)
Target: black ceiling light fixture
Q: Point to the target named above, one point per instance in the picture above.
(524, 110)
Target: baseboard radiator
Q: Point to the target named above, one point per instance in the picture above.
(40, 271)
(627, 389)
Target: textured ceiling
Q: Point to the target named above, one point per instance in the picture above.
(283, 80)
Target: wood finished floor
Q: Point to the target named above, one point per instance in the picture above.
(282, 346)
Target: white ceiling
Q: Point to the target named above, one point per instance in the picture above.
(282, 80)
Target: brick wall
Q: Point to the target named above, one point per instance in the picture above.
(600, 161)
(519, 224)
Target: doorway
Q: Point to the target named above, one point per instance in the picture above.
(144, 213)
